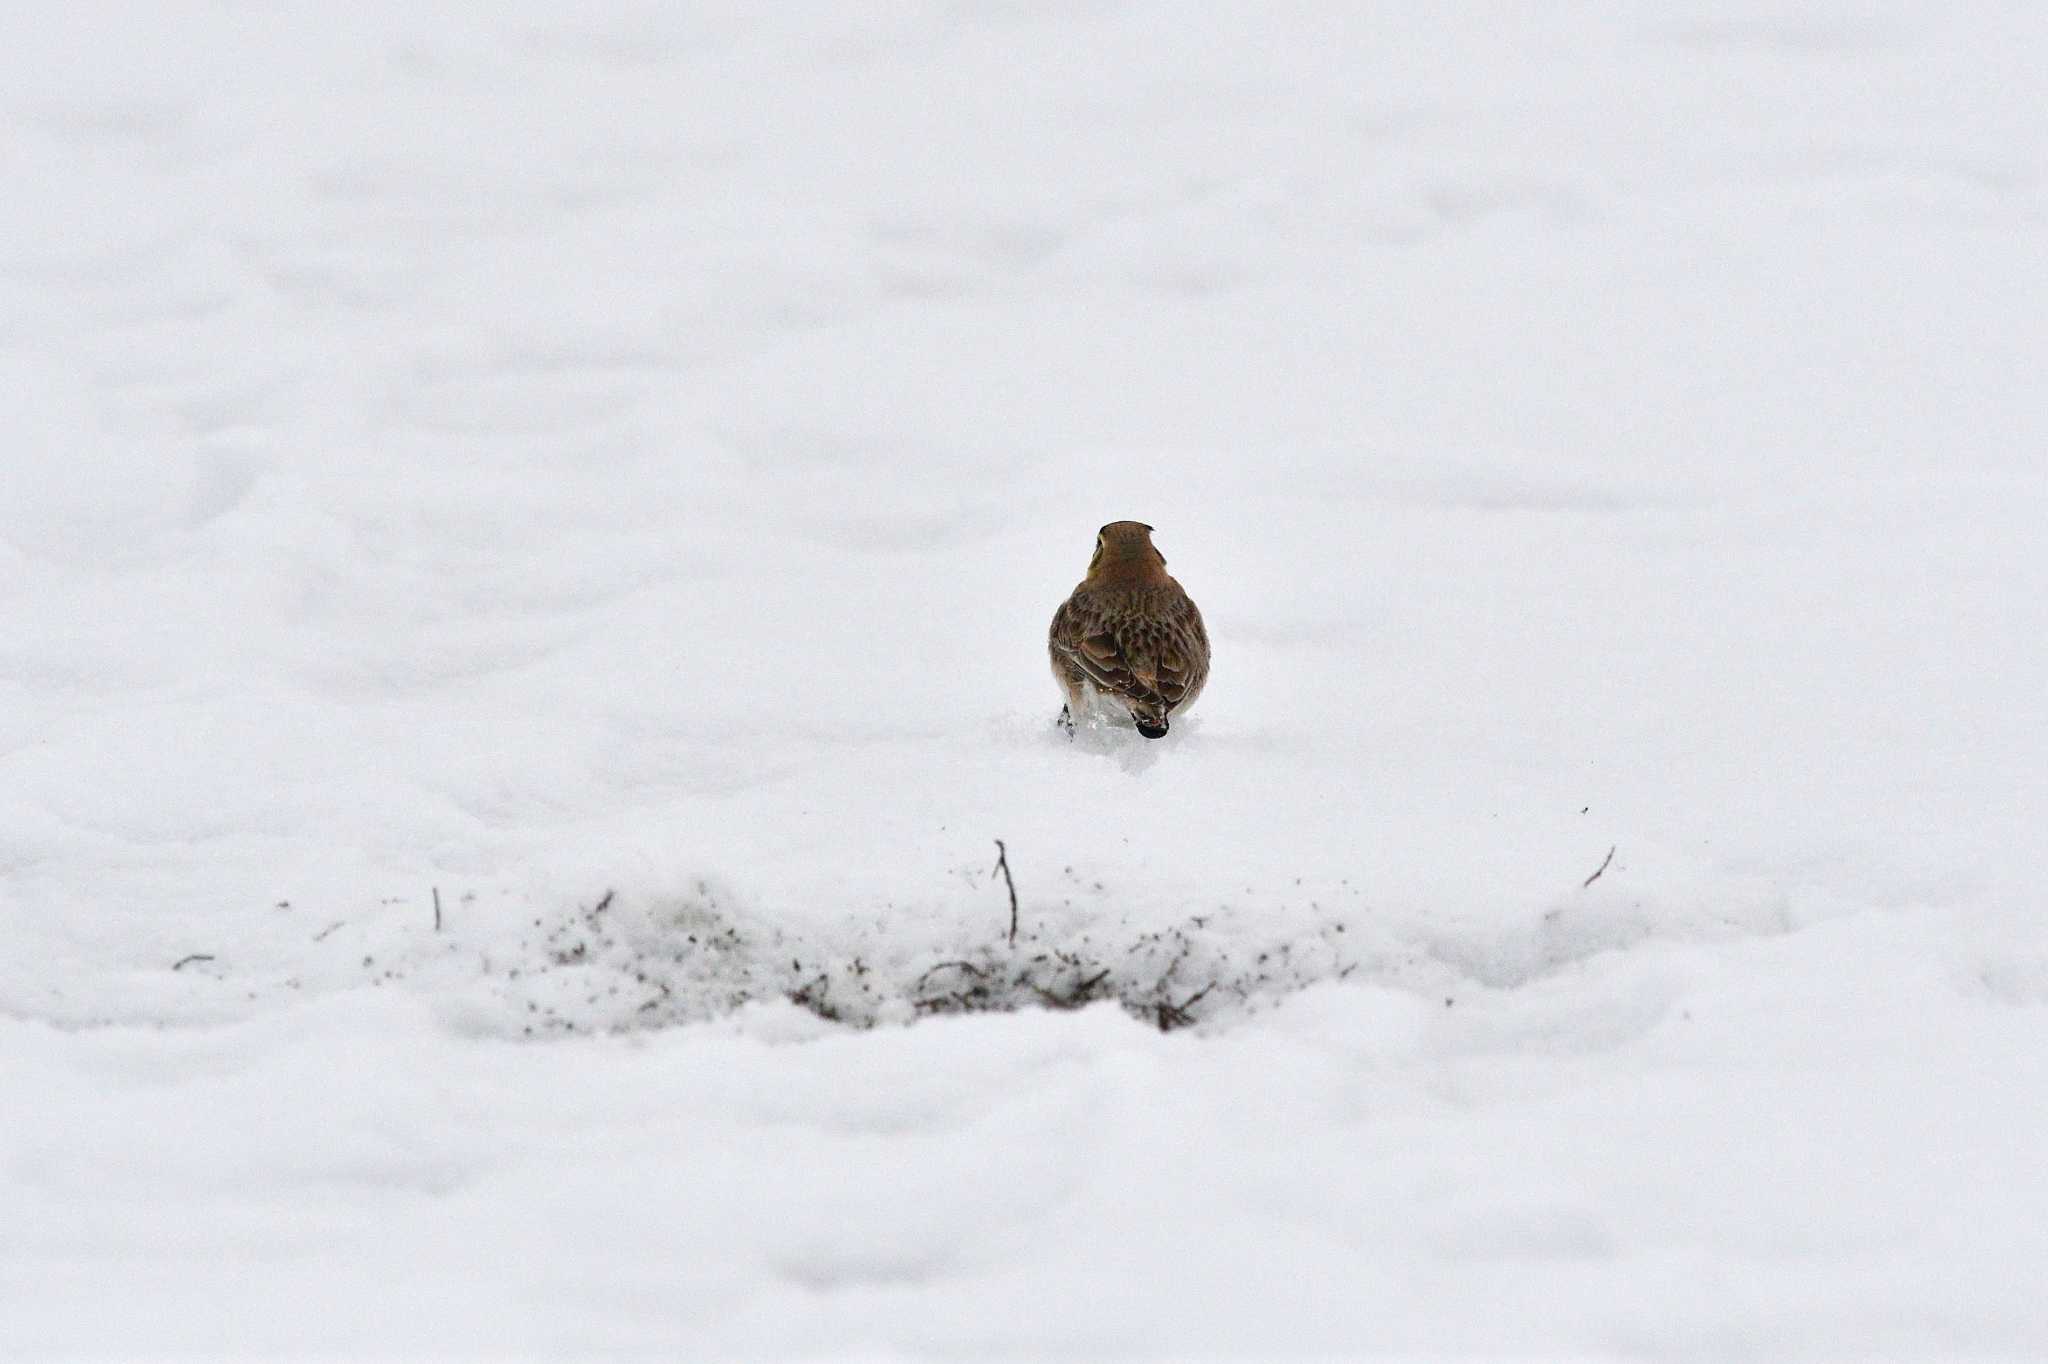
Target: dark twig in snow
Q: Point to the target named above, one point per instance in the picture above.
(969, 967)
(1003, 866)
(321, 936)
(437, 909)
(183, 962)
(1597, 870)
(1170, 1015)
(815, 995)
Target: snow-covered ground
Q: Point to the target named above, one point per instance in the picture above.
(608, 470)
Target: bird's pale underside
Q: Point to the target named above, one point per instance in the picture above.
(1128, 642)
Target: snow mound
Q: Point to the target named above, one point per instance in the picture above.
(623, 963)
(696, 948)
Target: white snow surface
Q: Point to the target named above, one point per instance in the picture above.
(610, 468)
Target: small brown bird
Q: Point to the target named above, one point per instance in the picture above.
(1128, 639)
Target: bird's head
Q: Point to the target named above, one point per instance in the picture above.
(1124, 553)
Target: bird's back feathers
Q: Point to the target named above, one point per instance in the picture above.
(1143, 645)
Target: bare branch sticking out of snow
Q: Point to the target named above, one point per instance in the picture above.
(1003, 866)
(1599, 869)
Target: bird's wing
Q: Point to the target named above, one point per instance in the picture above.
(1084, 637)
